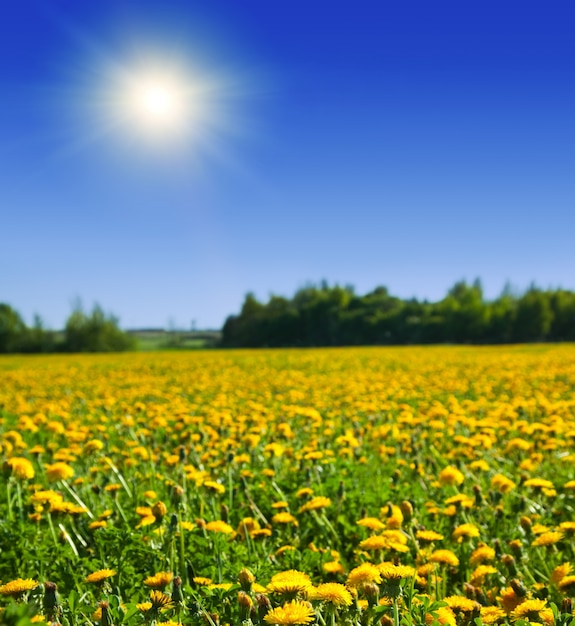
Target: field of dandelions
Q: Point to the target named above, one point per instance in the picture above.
(357, 487)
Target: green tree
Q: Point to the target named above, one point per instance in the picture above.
(95, 332)
(12, 329)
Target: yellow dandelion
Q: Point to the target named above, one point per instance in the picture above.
(304, 492)
(560, 572)
(446, 557)
(538, 483)
(444, 615)
(294, 612)
(372, 523)
(289, 582)
(491, 614)
(567, 585)
(567, 527)
(17, 587)
(333, 567)
(319, 502)
(502, 483)
(533, 611)
(95, 525)
(335, 593)
(219, 526)
(461, 604)
(159, 580)
(160, 601)
(364, 573)
(389, 571)
(427, 536)
(548, 539)
(20, 468)
(212, 485)
(481, 554)
(284, 518)
(465, 531)
(281, 504)
(59, 471)
(377, 542)
(480, 573)
(100, 576)
(450, 476)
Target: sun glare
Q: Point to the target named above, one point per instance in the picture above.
(158, 104)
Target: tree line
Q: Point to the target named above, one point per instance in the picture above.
(93, 331)
(335, 316)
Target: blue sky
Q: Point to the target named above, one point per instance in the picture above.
(369, 143)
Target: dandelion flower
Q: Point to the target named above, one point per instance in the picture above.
(335, 593)
(100, 576)
(548, 539)
(533, 611)
(450, 476)
(18, 587)
(289, 582)
(59, 471)
(446, 557)
(481, 554)
(319, 502)
(372, 523)
(20, 468)
(559, 573)
(284, 518)
(160, 601)
(465, 531)
(491, 614)
(219, 526)
(364, 573)
(428, 536)
(294, 612)
(159, 580)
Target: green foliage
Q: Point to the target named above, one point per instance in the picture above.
(94, 332)
(335, 316)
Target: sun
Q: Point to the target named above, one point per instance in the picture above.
(158, 104)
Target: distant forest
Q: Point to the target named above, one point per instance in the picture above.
(84, 332)
(336, 316)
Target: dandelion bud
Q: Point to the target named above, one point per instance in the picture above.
(50, 600)
(159, 510)
(177, 596)
(386, 620)
(469, 590)
(244, 600)
(509, 561)
(518, 587)
(212, 618)
(264, 605)
(341, 490)
(406, 509)
(105, 620)
(173, 522)
(395, 477)
(246, 579)
(371, 591)
(478, 495)
(224, 513)
(525, 523)
(567, 606)
(515, 546)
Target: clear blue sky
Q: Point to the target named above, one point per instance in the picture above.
(406, 144)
